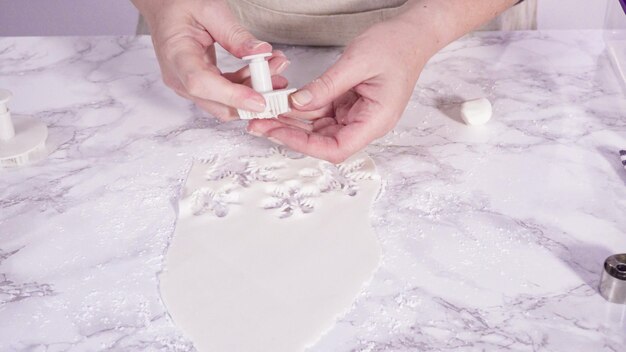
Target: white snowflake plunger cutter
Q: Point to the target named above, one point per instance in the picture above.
(22, 142)
(276, 101)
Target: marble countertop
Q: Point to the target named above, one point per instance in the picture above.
(493, 237)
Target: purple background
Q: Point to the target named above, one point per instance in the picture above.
(110, 17)
(67, 17)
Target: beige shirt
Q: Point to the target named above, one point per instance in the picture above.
(336, 22)
(312, 22)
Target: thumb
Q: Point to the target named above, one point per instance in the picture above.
(224, 28)
(344, 75)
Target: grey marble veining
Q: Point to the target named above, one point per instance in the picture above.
(493, 237)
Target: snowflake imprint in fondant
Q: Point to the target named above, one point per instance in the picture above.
(290, 197)
(217, 202)
(287, 193)
(343, 177)
(243, 171)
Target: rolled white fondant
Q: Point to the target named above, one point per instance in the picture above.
(476, 111)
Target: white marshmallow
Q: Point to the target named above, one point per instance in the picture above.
(476, 111)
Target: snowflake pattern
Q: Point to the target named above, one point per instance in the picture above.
(291, 197)
(343, 177)
(288, 195)
(243, 172)
(284, 152)
(217, 202)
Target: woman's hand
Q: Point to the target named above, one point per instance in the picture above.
(184, 33)
(362, 96)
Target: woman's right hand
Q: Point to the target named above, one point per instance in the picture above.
(184, 33)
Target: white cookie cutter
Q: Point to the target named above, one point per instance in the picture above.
(22, 143)
(276, 101)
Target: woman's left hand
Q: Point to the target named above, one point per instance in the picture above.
(360, 98)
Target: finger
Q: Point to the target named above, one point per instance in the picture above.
(204, 81)
(313, 144)
(343, 106)
(259, 127)
(279, 82)
(335, 144)
(224, 28)
(226, 113)
(345, 74)
(172, 81)
(277, 63)
(310, 115)
(338, 108)
(322, 123)
(304, 125)
(278, 53)
(335, 147)
(212, 54)
(219, 111)
(329, 130)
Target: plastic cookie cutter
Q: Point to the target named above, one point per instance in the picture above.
(276, 101)
(22, 143)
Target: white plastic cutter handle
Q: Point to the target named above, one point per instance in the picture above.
(260, 72)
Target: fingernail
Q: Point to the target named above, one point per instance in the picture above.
(302, 97)
(283, 66)
(254, 104)
(255, 44)
(254, 133)
(275, 141)
(279, 53)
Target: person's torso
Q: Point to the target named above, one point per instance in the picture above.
(319, 22)
(324, 7)
(336, 22)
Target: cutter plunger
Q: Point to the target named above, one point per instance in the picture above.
(276, 101)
